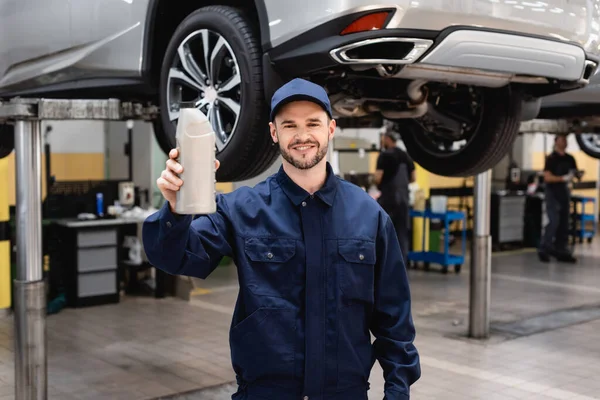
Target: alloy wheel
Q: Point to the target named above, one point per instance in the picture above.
(206, 71)
(591, 141)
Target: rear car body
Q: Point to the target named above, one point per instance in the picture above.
(416, 62)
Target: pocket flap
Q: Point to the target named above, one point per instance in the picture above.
(270, 249)
(357, 251)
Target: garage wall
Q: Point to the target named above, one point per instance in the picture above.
(77, 152)
(94, 150)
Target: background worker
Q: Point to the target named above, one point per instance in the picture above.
(395, 170)
(559, 171)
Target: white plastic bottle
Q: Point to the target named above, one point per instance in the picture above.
(196, 144)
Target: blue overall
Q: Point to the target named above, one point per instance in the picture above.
(317, 274)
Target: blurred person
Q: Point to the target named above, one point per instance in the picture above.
(318, 262)
(560, 169)
(395, 170)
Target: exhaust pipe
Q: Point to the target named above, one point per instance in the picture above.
(417, 93)
(386, 50)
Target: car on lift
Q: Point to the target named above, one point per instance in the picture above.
(580, 110)
(459, 76)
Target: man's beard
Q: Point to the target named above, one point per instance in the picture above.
(304, 163)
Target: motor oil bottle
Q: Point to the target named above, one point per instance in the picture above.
(196, 145)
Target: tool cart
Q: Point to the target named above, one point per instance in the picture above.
(440, 256)
(583, 225)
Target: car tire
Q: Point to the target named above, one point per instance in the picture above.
(497, 128)
(589, 143)
(249, 149)
(7, 140)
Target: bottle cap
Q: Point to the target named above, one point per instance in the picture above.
(187, 104)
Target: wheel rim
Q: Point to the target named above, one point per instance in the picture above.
(591, 141)
(206, 71)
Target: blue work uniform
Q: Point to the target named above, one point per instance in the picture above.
(317, 274)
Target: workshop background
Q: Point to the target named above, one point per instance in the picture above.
(92, 150)
(167, 338)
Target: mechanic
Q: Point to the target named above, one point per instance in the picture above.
(395, 170)
(559, 171)
(319, 266)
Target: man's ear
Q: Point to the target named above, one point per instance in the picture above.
(273, 130)
(332, 126)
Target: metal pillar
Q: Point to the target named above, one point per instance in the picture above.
(30, 299)
(481, 259)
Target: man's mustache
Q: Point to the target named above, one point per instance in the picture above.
(303, 143)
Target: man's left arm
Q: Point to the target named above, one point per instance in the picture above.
(392, 323)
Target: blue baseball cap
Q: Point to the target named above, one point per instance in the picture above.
(300, 89)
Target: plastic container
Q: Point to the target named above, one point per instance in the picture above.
(196, 144)
(439, 204)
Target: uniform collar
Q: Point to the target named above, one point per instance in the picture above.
(297, 194)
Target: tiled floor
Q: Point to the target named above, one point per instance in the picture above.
(144, 348)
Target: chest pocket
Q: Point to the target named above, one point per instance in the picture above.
(356, 270)
(270, 269)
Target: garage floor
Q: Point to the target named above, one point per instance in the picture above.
(545, 345)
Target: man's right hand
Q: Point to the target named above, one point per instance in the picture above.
(169, 182)
(568, 177)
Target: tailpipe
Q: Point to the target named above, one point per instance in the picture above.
(385, 50)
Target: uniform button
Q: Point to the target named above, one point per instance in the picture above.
(168, 224)
(303, 204)
(269, 255)
(361, 257)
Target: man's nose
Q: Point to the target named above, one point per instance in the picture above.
(303, 137)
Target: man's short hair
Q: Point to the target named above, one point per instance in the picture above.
(395, 136)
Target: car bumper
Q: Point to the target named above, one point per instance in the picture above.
(461, 50)
(571, 21)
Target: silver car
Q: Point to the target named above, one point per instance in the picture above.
(458, 75)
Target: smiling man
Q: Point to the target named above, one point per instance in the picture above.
(319, 266)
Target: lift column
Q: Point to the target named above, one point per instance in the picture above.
(30, 296)
(481, 259)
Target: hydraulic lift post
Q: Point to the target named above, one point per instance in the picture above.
(481, 259)
(30, 295)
